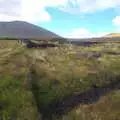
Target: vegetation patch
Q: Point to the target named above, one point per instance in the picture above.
(33, 81)
(16, 102)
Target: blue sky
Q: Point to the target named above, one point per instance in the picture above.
(63, 23)
(68, 18)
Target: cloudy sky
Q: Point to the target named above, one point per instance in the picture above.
(68, 18)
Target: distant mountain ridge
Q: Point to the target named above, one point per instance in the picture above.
(21, 29)
(113, 35)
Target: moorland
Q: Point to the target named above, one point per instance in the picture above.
(65, 82)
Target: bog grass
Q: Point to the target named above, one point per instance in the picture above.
(55, 73)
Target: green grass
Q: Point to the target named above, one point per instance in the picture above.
(16, 102)
(57, 72)
(16, 99)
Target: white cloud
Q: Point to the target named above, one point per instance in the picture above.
(27, 10)
(116, 21)
(6, 18)
(88, 6)
(10, 7)
(35, 10)
(83, 33)
(80, 33)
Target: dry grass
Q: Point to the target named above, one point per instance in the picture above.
(59, 72)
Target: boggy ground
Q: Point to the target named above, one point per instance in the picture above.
(67, 82)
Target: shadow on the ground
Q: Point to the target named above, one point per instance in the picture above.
(90, 96)
(63, 106)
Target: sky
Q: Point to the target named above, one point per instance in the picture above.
(67, 18)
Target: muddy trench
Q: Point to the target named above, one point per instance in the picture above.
(66, 104)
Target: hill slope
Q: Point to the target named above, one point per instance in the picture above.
(113, 35)
(20, 29)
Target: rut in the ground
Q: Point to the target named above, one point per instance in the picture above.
(65, 105)
(90, 96)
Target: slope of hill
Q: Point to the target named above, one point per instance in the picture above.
(113, 35)
(20, 29)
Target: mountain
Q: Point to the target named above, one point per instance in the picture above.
(21, 29)
(113, 35)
